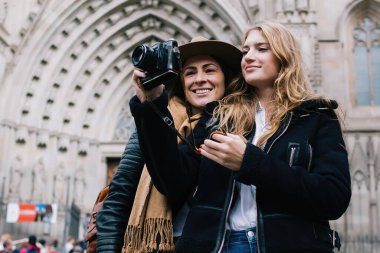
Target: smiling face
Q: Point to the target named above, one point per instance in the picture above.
(259, 65)
(203, 81)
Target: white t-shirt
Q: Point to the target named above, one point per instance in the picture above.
(243, 214)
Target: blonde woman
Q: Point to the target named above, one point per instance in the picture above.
(278, 175)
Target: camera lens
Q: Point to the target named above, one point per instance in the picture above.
(142, 57)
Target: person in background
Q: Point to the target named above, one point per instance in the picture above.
(23, 247)
(275, 171)
(53, 247)
(3, 238)
(215, 63)
(42, 245)
(69, 245)
(8, 247)
(32, 245)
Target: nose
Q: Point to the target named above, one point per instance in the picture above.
(250, 56)
(199, 78)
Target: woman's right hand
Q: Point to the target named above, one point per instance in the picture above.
(141, 93)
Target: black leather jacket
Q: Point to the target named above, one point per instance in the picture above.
(112, 219)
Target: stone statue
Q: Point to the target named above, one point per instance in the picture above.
(16, 176)
(79, 187)
(39, 181)
(59, 185)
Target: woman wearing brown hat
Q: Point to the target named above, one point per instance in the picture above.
(273, 182)
(208, 67)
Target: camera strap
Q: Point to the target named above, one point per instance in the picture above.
(170, 124)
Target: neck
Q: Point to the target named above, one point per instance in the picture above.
(265, 96)
(193, 110)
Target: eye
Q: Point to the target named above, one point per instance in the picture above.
(209, 70)
(263, 49)
(188, 73)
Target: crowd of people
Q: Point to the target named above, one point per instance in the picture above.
(34, 245)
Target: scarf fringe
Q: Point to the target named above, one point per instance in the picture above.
(144, 239)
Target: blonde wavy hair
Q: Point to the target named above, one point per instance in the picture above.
(236, 111)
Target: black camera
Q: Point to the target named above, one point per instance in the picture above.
(161, 62)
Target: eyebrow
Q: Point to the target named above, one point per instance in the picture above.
(257, 44)
(203, 66)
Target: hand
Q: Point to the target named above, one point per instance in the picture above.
(227, 150)
(141, 93)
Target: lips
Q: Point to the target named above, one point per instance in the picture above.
(202, 91)
(251, 67)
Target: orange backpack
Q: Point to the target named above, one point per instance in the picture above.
(91, 227)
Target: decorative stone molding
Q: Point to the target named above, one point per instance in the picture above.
(83, 148)
(42, 139)
(295, 11)
(63, 143)
(21, 134)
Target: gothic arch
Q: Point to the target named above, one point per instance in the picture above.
(358, 166)
(77, 74)
(354, 11)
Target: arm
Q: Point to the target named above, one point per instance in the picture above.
(173, 167)
(112, 219)
(323, 193)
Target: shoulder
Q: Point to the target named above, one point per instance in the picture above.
(318, 106)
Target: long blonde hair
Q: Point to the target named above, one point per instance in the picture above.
(236, 111)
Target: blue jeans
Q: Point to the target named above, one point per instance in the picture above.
(243, 241)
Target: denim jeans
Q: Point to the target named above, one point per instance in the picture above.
(243, 241)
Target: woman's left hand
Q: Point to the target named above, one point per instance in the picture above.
(227, 150)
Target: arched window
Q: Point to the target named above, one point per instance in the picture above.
(367, 62)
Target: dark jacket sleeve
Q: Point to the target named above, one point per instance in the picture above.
(322, 193)
(112, 219)
(172, 166)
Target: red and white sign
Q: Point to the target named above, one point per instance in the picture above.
(22, 212)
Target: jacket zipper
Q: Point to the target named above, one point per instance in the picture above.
(292, 152)
(310, 157)
(195, 191)
(228, 211)
(270, 147)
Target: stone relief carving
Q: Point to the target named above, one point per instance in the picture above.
(358, 166)
(79, 186)
(3, 11)
(16, 175)
(59, 185)
(251, 9)
(39, 181)
(302, 5)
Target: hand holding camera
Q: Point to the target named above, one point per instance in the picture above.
(161, 63)
(141, 93)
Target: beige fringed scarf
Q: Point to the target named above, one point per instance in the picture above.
(151, 214)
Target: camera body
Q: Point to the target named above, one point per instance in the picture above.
(161, 62)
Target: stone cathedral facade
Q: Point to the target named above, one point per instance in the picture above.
(65, 84)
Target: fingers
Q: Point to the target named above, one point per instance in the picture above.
(220, 137)
(210, 154)
(141, 93)
(227, 150)
(137, 74)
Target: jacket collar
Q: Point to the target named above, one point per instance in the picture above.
(316, 105)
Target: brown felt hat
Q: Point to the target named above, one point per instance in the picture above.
(226, 53)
